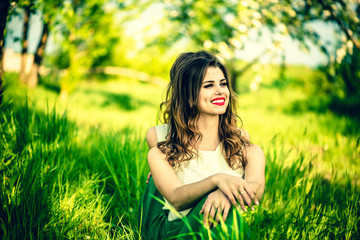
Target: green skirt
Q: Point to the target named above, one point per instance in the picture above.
(154, 224)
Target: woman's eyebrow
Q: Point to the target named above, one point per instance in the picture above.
(212, 81)
(209, 81)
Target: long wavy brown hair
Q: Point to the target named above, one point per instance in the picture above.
(180, 112)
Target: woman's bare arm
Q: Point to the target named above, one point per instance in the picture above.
(255, 170)
(151, 137)
(151, 140)
(182, 196)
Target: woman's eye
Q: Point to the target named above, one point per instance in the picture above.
(208, 86)
(224, 84)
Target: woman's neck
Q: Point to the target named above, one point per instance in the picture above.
(209, 128)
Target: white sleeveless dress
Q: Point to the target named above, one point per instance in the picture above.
(207, 163)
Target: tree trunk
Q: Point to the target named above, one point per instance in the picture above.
(236, 73)
(24, 44)
(349, 72)
(234, 82)
(33, 77)
(4, 8)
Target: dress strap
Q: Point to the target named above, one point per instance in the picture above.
(161, 132)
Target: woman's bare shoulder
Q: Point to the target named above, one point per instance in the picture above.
(155, 152)
(254, 151)
(151, 137)
(155, 157)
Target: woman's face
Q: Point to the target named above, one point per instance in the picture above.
(214, 93)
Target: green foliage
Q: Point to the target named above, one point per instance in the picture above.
(232, 22)
(304, 204)
(53, 186)
(30, 155)
(349, 72)
(65, 180)
(61, 179)
(336, 87)
(88, 38)
(57, 184)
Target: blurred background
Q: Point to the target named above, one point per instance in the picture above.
(103, 66)
(69, 50)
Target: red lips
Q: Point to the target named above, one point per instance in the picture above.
(218, 101)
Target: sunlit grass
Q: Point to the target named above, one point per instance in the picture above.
(77, 169)
(56, 185)
(330, 140)
(108, 105)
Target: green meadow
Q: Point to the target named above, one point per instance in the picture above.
(76, 168)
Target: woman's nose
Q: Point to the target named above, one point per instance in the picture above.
(219, 89)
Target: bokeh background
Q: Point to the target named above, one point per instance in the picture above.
(82, 81)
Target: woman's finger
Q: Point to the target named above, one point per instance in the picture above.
(148, 177)
(238, 197)
(241, 202)
(205, 211)
(251, 194)
(202, 209)
(231, 197)
(256, 201)
(211, 216)
(217, 216)
(246, 197)
(226, 212)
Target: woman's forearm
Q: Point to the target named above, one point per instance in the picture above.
(186, 195)
(180, 196)
(255, 170)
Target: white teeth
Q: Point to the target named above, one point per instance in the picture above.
(218, 101)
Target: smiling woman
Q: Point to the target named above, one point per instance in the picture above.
(214, 93)
(203, 166)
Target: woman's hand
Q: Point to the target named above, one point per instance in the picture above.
(148, 177)
(237, 190)
(216, 204)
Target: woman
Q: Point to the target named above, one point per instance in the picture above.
(202, 164)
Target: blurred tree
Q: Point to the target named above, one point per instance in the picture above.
(349, 70)
(88, 38)
(219, 26)
(26, 6)
(343, 68)
(32, 78)
(229, 27)
(49, 11)
(224, 26)
(4, 9)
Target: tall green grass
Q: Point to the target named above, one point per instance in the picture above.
(302, 204)
(61, 179)
(57, 184)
